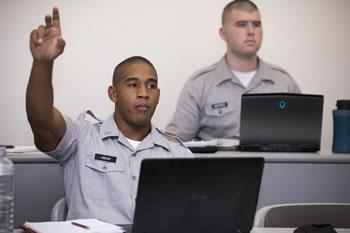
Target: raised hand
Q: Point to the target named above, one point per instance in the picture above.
(46, 42)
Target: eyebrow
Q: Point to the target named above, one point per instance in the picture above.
(131, 79)
(248, 21)
(136, 79)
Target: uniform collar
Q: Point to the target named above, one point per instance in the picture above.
(263, 71)
(109, 129)
(226, 73)
(154, 138)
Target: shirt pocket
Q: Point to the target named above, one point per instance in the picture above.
(218, 108)
(104, 180)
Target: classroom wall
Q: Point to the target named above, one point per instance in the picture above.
(310, 39)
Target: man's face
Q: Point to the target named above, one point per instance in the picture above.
(242, 32)
(137, 95)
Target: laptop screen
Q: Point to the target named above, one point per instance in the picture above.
(197, 195)
(281, 122)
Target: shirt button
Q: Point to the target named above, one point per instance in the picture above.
(104, 167)
(133, 177)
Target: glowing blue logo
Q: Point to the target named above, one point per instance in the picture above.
(282, 104)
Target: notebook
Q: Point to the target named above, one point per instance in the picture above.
(192, 195)
(88, 225)
(281, 122)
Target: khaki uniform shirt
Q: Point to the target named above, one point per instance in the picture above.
(210, 102)
(101, 168)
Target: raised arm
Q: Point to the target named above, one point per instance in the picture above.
(46, 43)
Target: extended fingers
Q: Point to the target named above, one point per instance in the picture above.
(48, 20)
(56, 17)
(52, 23)
(53, 20)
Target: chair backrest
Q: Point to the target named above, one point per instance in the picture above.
(59, 210)
(298, 214)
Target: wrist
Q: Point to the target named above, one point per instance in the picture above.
(37, 62)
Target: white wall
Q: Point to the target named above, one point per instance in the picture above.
(311, 39)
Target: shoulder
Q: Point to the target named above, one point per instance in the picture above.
(174, 144)
(200, 79)
(276, 70)
(171, 137)
(82, 128)
(282, 79)
(203, 72)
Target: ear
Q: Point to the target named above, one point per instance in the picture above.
(112, 93)
(222, 33)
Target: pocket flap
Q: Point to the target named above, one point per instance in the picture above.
(104, 166)
(218, 108)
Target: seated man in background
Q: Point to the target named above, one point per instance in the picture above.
(210, 102)
(101, 161)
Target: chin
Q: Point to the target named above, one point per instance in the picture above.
(250, 54)
(142, 122)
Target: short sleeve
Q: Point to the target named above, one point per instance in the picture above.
(68, 144)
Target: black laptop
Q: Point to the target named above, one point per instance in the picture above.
(197, 195)
(281, 122)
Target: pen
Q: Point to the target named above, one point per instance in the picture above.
(80, 225)
(8, 146)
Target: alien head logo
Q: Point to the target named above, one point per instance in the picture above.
(282, 104)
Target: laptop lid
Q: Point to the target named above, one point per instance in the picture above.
(192, 195)
(281, 122)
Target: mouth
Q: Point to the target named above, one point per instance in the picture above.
(250, 42)
(142, 107)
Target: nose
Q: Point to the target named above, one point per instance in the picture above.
(250, 29)
(142, 92)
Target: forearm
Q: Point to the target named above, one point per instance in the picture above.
(47, 123)
(39, 97)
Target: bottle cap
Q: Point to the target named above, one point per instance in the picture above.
(343, 104)
(2, 151)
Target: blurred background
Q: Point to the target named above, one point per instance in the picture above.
(310, 39)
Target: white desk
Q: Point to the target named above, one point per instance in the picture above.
(270, 157)
(286, 157)
(288, 177)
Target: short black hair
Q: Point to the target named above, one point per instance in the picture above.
(243, 5)
(120, 68)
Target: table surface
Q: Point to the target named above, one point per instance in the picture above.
(270, 157)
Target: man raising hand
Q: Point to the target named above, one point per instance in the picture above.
(101, 161)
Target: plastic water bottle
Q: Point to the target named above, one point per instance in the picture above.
(6, 192)
(341, 128)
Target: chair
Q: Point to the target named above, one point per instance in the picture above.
(298, 214)
(59, 210)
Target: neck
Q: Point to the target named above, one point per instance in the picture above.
(137, 133)
(242, 64)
